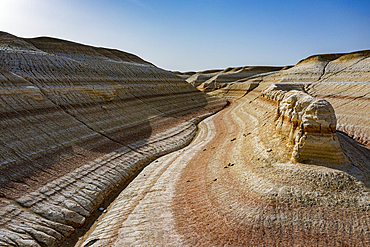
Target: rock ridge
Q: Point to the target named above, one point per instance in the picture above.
(78, 122)
(309, 124)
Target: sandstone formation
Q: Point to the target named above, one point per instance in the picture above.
(184, 75)
(342, 67)
(308, 123)
(270, 170)
(235, 185)
(199, 77)
(77, 122)
(214, 79)
(351, 103)
(286, 164)
(341, 79)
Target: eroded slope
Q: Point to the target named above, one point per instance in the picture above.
(77, 122)
(237, 185)
(269, 170)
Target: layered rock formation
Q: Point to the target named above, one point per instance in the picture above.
(269, 170)
(341, 67)
(309, 124)
(77, 122)
(210, 80)
(236, 185)
(341, 79)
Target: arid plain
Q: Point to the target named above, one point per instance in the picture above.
(102, 148)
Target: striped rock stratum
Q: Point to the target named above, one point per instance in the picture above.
(77, 123)
(235, 185)
(287, 163)
(241, 182)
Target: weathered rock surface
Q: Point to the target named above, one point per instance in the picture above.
(210, 80)
(351, 103)
(235, 185)
(234, 90)
(309, 124)
(341, 79)
(77, 122)
(341, 67)
(199, 77)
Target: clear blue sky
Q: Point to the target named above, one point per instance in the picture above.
(198, 34)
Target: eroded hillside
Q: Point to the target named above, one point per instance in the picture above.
(286, 164)
(77, 122)
(270, 170)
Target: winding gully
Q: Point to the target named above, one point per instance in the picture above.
(217, 192)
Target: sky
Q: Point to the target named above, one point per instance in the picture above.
(195, 35)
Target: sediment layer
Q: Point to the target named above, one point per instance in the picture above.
(77, 122)
(215, 79)
(342, 79)
(235, 185)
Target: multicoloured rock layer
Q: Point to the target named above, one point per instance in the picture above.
(235, 185)
(77, 122)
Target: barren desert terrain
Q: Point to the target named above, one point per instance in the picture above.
(102, 148)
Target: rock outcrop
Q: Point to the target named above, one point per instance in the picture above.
(199, 77)
(77, 122)
(210, 80)
(343, 80)
(230, 83)
(309, 124)
(341, 67)
(351, 103)
(266, 171)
